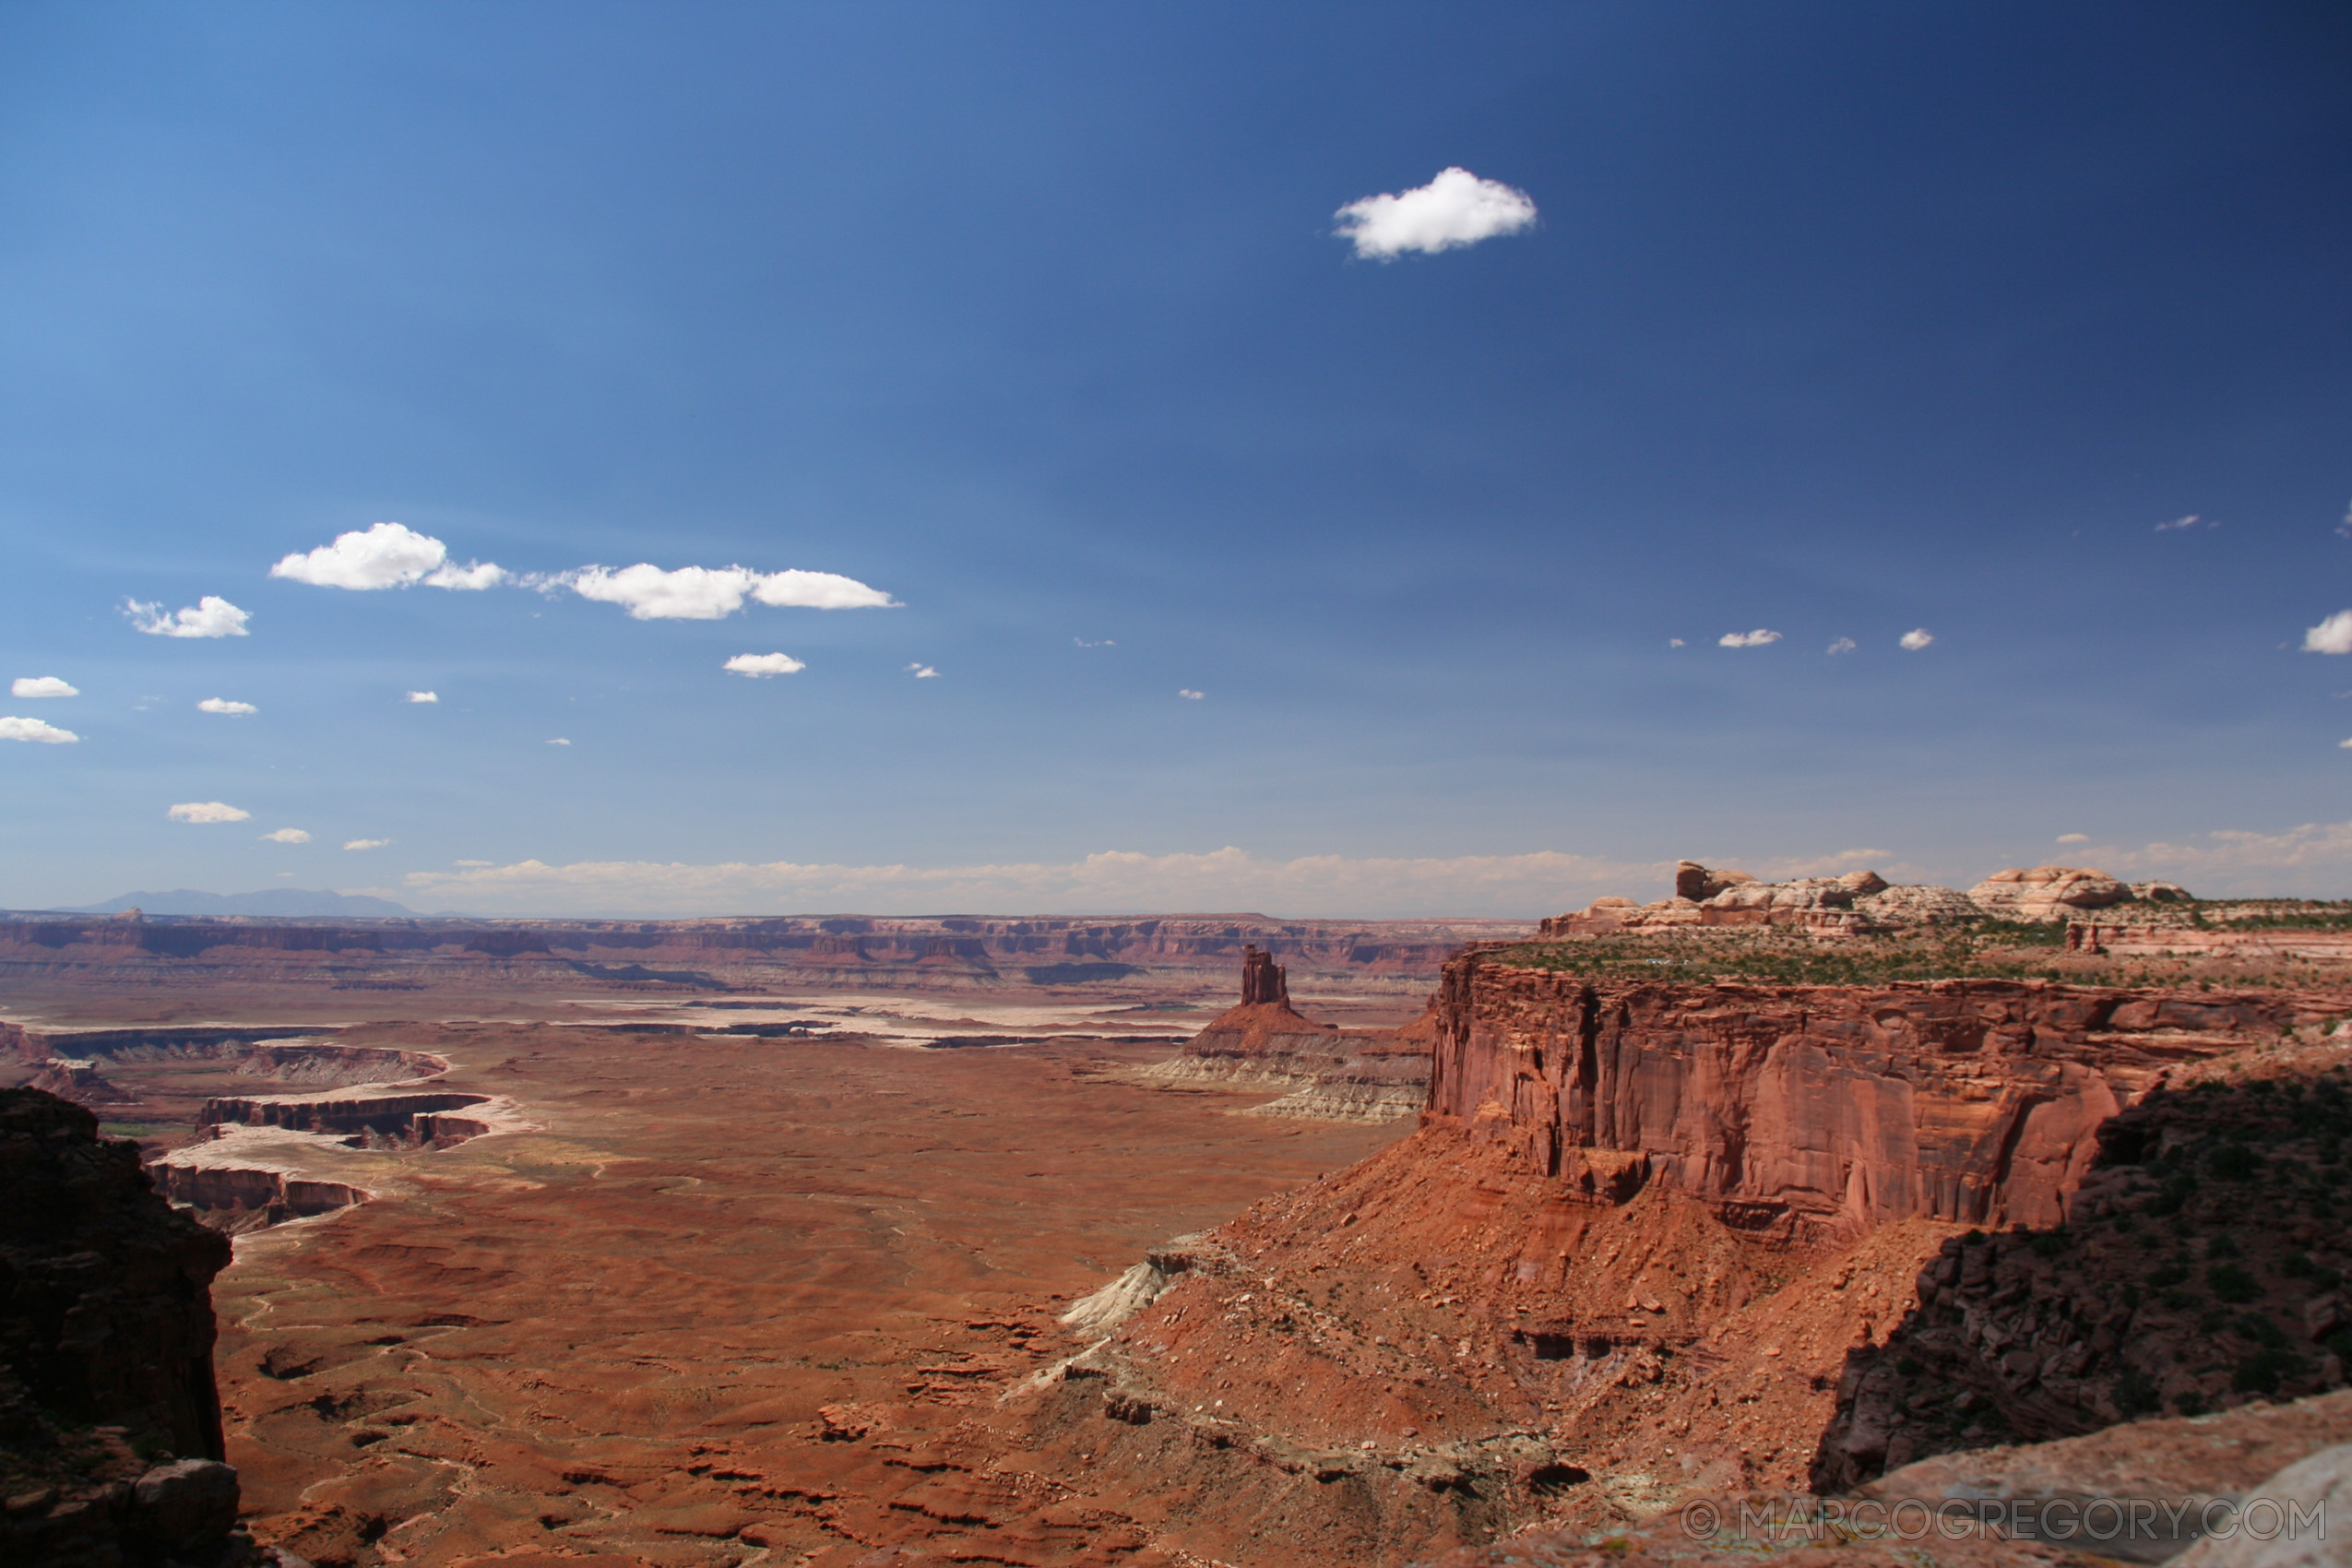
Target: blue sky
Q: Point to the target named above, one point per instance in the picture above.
(1838, 321)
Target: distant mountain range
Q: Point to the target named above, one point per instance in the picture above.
(285, 902)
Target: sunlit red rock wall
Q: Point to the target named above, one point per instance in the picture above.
(1836, 1108)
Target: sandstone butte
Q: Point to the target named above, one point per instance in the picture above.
(1654, 1240)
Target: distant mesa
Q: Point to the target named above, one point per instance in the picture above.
(285, 902)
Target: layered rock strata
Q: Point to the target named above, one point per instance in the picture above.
(2047, 893)
(1857, 903)
(1834, 1109)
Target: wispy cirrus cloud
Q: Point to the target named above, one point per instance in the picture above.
(1842, 644)
(41, 686)
(211, 616)
(365, 843)
(922, 671)
(385, 556)
(39, 729)
(1454, 209)
(712, 593)
(286, 836)
(208, 811)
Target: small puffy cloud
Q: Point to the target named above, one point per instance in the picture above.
(758, 665)
(1844, 644)
(2344, 528)
(36, 730)
(207, 810)
(1760, 637)
(371, 844)
(559, 741)
(2344, 746)
(286, 836)
(713, 593)
(1455, 208)
(222, 704)
(1916, 638)
(211, 616)
(424, 696)
(1191, 696)
(1675, 642)
(386, 555)
(923, 672)
(41, 686)
(2073, 837)
(2330, 635)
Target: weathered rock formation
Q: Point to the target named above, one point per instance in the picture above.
(2047, 893)
(1338, 1074)
(106, 1334)
(1856, 903)
(1972, 1101)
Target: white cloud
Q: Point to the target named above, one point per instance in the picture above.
(386, 555)
(819, 590)
(713, 593)
(371, 844)
(41, 686)
(1189, 694)
(1675, 642)
(222, 704)
(763, 664)
(473, 577)
(2073, 837)
(1844, 644)
(36, 730)
(923, 672)
(477, 862)
(1455, 208)
(2190, 521)
(1104, 643)
(559, 741)
(2344, 746)
(286, 836)
(2330, 635)
(1916, 638)
(424, 696)
(207, 810)
(1760, 637)
(210, 616)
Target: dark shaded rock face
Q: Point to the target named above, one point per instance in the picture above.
(109, 1424)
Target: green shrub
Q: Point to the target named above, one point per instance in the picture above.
(2135, 1393)
(2191, 1403)
(2233, 1283)
(2235, 1162)
(2170, 1274)
(2051, 1244)
(2262, 1331)
(2262, 1372)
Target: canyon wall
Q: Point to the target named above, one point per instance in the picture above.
(946, 951)
(1832, 1109)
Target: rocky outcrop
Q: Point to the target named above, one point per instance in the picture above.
(106, 1334)
(1339, 1075)
(393, 1113)
(1856, 903)
(2047, 893)
(1832, 1108)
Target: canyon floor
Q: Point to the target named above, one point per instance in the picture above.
(618, 1335)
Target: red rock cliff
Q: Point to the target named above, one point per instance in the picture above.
(1837, 1107)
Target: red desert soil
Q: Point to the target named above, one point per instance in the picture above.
(629, 1338)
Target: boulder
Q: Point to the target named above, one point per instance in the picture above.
(1696, 883)
(2047, 893)
(184, 1503)
(2162, 892)
(2283, 1522)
